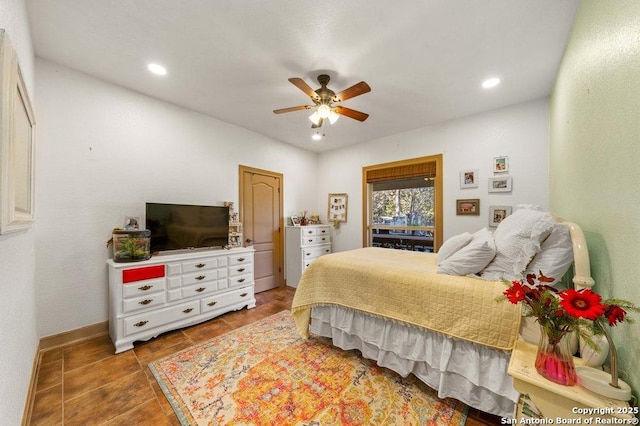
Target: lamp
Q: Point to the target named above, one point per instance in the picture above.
(322, 112)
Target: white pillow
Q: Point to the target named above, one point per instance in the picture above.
(452, 245)
(556, 255)
(518, 239)
(472, 258)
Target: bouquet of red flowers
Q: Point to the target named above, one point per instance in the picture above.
(561, 312)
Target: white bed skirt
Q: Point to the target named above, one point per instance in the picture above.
(471, 373)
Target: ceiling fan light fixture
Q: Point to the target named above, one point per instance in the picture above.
(315, 118)
(324, 110)
(316, 136)
(333, 116)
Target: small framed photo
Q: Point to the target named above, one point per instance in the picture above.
(500, 164)
(295, 220)
(497, 214)
(337, 208)
(469, 179)
(500, 184)
(468, 207)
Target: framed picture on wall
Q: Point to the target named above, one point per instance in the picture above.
(500, 164)
(337, 208)
(497, 214)
(469, 179)
(500, 184)
(468, 207)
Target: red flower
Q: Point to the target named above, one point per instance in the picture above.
(582, 304)
(614, 314)
(515, 293)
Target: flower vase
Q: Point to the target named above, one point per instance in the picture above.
(554, 360)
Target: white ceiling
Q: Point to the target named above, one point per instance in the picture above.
(424, 59)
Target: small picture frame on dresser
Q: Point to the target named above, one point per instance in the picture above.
(295, 220)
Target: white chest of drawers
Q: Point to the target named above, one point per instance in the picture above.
(168, 292)
(303, 245)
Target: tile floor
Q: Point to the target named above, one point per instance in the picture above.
(87, 384)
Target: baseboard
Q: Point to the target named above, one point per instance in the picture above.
(52, 342)
(31, 392)
(74, 336)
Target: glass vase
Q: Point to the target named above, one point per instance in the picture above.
(554, 360)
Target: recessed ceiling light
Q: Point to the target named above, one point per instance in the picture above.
(490, 82)
(157, 69)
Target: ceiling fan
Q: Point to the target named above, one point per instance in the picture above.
(324, 98)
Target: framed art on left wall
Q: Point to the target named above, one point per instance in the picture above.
(17, 135)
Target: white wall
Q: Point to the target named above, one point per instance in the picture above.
(520, 132)
(17, 288)
(104, 151)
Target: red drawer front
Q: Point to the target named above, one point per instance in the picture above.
(139, 274)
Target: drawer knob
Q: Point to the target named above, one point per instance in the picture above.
(145, 287)
(186, 311)
(323, 231)
(309, 232)
(241, 280)
(244, 294)
(241, 259)
(241, 270)
(140, 324)
(201, 289)
(327, 250)
(308, 254)
(211, 303)
(145, 301)
(201, 277)
(310, 240)
(201, 265)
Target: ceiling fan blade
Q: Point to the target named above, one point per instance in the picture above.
(353, 91)
(351, 113)
(296, 108)
(314, 126)
(300, 84)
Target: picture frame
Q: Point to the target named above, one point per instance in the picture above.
(500, 184)
(295, 220)
(468, 207)
(497, 214)
(17, 144)
(337, 211)
(500, 164)
(469, 179)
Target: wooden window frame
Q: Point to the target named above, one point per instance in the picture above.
(390, 170)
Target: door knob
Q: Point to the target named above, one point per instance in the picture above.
(249, 240)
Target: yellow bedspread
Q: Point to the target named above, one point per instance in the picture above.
(404, 286)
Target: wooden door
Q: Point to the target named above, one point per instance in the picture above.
(261, 216)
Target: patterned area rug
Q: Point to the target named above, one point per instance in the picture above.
(264, 374)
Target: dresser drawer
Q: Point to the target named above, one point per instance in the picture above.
(135, 289)
(199, 289)
(236, 270)
(240, 280)
(316, 251)
(200, 277)
(309, 240)
(222, 300)
(147, 301)
(240, 259)
(157, 318)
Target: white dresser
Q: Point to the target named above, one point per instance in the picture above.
(303, 245)
(173, 291)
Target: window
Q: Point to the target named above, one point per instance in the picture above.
(404, 204)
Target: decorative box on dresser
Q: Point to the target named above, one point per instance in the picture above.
(303, 245)
(172, 291)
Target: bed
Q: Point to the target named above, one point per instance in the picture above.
(448, 330)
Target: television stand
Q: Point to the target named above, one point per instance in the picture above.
(173, 291)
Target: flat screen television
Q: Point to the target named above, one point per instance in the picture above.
(181, 226)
